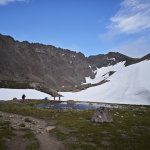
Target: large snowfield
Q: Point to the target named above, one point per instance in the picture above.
(128, 85)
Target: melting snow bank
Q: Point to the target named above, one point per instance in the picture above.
(9, 94)
(102, 73)
(129, 85)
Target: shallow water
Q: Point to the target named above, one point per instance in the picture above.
(82, 106)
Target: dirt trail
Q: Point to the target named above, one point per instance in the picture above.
(45, 136)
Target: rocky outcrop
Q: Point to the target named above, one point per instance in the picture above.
(54, 67)
(102, 114)
(111, 58)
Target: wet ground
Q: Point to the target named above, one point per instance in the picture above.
(82, 106)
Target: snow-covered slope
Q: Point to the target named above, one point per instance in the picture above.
(128, 85)
(9, 94)
(102, 73)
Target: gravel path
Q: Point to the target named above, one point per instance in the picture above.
(43, 133)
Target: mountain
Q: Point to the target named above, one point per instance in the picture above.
(110, 78)
(49, 66)
(54, 67)
(111, 58)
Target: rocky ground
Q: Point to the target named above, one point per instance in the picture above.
(72, 129)
(41, 128)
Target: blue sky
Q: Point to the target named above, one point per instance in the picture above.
(89, 26)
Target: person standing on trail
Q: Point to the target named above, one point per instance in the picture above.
(23, 97)
(54, 98)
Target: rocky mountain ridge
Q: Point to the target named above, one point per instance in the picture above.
(53, 67)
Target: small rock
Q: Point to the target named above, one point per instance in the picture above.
(42, 132)
(47, 107)
(14, 99)
(48, 128)
(106, 143)
(27, 126)
(71, 102)
(11, 116)
(64, 109)
(125, 135)
(105, 132)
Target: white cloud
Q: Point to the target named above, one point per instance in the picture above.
(129, 28)
(5, 2)
(133, 17)
(134, 48)
(109, 36)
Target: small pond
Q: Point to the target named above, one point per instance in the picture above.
(82, 106)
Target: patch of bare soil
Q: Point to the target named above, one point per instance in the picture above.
(49, 142)
(64, 129)
(46, 138)
(17, 142)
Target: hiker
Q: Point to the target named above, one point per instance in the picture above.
(59, 97)
(54, 98)
(23, 97)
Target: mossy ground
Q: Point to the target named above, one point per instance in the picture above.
(5, 133)
(129, 131)
(34, 144)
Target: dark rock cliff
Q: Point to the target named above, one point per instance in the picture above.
(54, 67)
(45, 64)
(111, 58)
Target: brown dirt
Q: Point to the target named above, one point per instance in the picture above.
(47, 139)
(64, 129)
(17, 142)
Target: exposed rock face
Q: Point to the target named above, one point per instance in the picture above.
(102, 114)
(111, 58)
(53, 67)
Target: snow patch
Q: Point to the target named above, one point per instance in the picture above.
(100, 73)
(111, 59)
(9, 94)
(89, 66)
(73, 56)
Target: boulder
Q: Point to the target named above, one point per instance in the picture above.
(102, 114)
(63, 109)
(47, 107)
(71, 102)
(14, 99)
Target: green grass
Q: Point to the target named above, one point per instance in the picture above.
(27, 120)
(5, 133)
(34, 144)
(130, 129)
(27, 110)
(22, 125)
